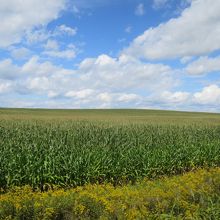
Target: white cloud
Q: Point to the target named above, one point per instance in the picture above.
(140, 11)
(106, 81)
(38, 83)
(5, 86)
(33, 67)
(111, 99)
(81, 94)
(52, 94)
(195, 32)
(20, 53)
(8, 70)
(175, 97)
(38, 35)
(64, 54)
(123, 72)
(204, 65)
(210, 95)
(186, 59)
(105, 97)
(52, 49)
(102, 80)
(41, 34)
(45, 78)
(63, 29)
(18, 17)
(208, 99)
(104, 60)
(51, 45)
(129, 98)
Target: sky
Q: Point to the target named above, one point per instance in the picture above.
(145, 54)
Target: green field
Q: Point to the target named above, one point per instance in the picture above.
(109, 164)
(76, 147)
(116, 115)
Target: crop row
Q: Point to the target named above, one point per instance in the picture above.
(76, 153)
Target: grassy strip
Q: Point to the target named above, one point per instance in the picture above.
(113, 115)
(194, 195)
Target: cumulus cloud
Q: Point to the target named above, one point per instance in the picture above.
(39, 77)
(93, 85)
(125, 73)
(204, 65)
(210, 95)
(52, 49)
(207, 99)
(122, 81)
(34, 67)
(96, 80)
(35, 77)
(193, 33)
(19, 17)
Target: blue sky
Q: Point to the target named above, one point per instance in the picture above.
(157, 54)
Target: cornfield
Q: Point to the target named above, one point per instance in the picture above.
(67, 149)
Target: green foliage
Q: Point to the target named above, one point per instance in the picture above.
(51, 151)
(69, 148)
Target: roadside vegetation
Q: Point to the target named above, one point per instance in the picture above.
(194, 195)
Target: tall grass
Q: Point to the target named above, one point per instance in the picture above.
(71, 153)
